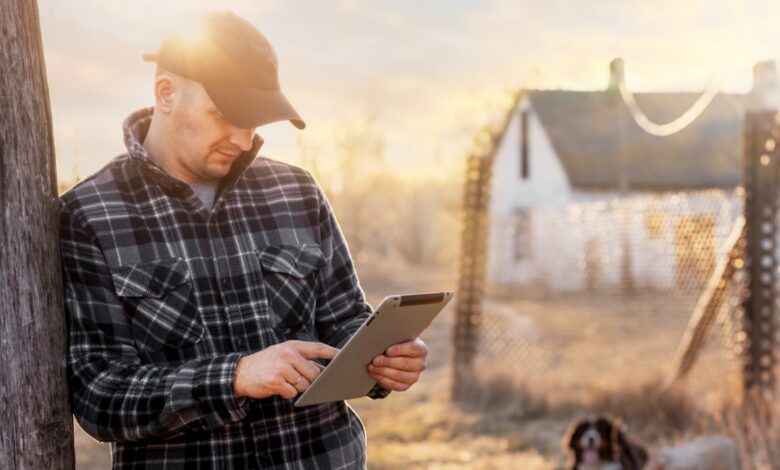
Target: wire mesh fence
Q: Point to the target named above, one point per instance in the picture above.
(598, 292)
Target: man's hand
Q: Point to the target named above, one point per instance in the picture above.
(400, 366)
(282, 369)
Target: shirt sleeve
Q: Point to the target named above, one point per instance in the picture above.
(341, 303)
(114, 396)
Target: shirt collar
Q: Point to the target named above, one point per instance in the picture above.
(135, 127)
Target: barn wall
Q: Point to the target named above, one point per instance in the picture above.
(547, 185)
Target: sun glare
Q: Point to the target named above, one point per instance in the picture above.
(190, 31)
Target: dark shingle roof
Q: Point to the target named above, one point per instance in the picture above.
(584, 128)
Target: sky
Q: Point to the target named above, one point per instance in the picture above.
(429, 72)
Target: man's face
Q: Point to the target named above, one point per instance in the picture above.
(206, 145)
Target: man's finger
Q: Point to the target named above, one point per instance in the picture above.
(394, 374)
(298, 379)
(290, 375)
(413, 348)
(411, 364)
(302, 385)
(314, 350)
(288, 391)
(309, 369)
(391, 384)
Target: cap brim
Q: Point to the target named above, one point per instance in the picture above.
(248, 107)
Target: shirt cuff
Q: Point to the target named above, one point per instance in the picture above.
(215, 392)
(378, 392)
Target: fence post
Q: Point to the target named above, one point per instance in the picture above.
(471, 272)
(37, 430)
(760, 177)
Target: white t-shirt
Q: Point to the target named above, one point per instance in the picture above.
(205, 190)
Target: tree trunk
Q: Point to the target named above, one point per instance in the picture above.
(37, 430)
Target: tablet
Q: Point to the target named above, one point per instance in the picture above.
(398, 318)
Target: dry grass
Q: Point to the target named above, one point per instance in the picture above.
(756, 426)
(651, 414)
(422, 429)
(657, 417)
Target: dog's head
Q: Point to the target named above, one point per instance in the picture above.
(590, 441)
(599, 441)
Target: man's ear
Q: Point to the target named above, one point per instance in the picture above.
(166, 92)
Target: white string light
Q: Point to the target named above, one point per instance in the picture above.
(674, 126)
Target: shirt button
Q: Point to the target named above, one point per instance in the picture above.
(240, 342)
(225, 282)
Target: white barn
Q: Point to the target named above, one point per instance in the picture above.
(582, 197)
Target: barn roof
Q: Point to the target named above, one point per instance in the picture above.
(589, 129)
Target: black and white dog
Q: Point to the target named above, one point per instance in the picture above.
(601, 443)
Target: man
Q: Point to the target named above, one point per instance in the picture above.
(202, 282)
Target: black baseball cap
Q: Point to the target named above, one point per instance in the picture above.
(237, 66)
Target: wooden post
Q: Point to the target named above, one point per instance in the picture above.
(760, 173)
(761, 167)
(471, 273)
(473, 258)
(37, 430)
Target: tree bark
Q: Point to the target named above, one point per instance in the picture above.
(37, 430)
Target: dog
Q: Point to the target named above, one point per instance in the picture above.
(714, 452)
(601, 443)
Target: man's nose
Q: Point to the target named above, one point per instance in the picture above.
(242, 138)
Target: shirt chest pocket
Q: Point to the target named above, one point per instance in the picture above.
(289, 276)
(160, 301)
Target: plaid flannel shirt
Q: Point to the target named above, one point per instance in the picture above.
(163, 296)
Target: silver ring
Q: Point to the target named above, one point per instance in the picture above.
(300, 377)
